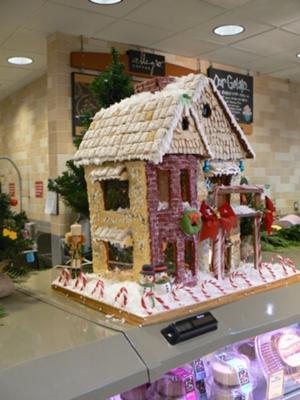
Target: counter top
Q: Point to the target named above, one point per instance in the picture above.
(55, 348)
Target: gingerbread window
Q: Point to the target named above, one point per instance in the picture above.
(163, 186)
(116, 194)
(185, 185)
(120, 257)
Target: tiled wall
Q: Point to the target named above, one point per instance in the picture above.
(24, 138)
(276, 140)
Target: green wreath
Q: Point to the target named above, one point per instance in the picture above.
(191, 222)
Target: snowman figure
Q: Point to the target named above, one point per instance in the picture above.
(147, 278)
(162, 281)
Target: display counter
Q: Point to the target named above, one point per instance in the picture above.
(53, 348)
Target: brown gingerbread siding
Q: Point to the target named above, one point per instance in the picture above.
(165, 224)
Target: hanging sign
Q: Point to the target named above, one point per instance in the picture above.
(39, 189)
(237, 90)
(12, 189)
(146, 63)
(51, 206)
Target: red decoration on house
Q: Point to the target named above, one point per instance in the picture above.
(269, 215)
(213, 220)
(12, 189)
(39, 189)
(210, 225)
(13, 202)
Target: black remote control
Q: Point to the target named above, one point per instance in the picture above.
(190, 327)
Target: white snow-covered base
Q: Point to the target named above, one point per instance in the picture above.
(203, 291)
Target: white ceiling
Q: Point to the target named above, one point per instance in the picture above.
(268, 44)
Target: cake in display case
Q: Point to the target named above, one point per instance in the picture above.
(163, 174)
(264, 367)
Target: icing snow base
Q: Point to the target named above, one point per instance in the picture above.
(207, 288)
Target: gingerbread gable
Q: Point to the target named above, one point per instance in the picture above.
(226, 139)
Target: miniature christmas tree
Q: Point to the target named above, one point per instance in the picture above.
(109, 87)
(12, 239)
(112, 85)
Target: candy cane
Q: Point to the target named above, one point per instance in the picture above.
(83, 279)
(174, 294)
(193, 296)
(206, 294)
(282, 263)
(264, 279)
(266, 265)
(100, 285)
(144, 304)
(291, 264)
(257, 242)
(213, 283)
(65, 276)
(189, 291)
(241, 275)
(158, 299)
(234, 285)
(218, 258)
(287, 262)
(124, 293)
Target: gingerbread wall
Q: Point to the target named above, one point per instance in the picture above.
(165, 224)
(136, 218)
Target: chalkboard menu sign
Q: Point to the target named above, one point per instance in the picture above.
(146, 63)
(237, 90)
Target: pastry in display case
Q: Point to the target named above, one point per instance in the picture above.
(229, 376)
(280, 351)
(264, 367)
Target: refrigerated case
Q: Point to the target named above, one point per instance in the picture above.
(53, 348)
(265, 366)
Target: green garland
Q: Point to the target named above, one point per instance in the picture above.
(284, 238)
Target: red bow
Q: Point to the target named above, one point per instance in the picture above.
(213, 221)
(269, 215)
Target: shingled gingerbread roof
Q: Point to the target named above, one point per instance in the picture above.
(145, 126)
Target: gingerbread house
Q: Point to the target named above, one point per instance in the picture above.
(149, 158)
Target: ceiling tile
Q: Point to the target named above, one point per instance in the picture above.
(53, 17)
(293, 27)
(14, 12)
(267, 65)
(180, 44)
(132, 33)
(293, 74)
(175, 15)
(230, 56)
(269, 43)
(204, 30)
(13, 73)
(274, 12)
(27, 40)
(229, 4)
(117, 10)
(4, 93)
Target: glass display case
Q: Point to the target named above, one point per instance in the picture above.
(266, 366)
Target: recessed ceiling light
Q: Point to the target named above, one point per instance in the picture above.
(298, 55)
(106, 2)
(228, 30)
(20, 60)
